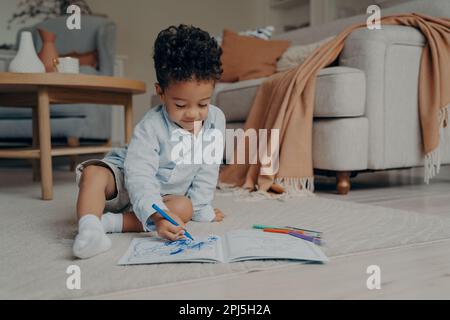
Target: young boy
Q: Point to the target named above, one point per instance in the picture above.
(128, 181)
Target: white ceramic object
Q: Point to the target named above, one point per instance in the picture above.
(68, 65)
(26, 60)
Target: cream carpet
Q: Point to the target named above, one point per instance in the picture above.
(36, 239)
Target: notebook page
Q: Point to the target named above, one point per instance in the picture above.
(156, 250)
(256, 244)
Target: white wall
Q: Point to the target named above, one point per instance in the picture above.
(323, 11)
(7, 9)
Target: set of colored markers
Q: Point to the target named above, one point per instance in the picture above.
(305, 234)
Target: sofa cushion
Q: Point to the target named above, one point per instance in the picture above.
(235, 99)
(333, 141)
(340, 92)
(246, 58)
(60, 128)
(298, 54)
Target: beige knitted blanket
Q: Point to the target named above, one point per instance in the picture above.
(285, 101)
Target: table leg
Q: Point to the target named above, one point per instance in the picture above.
(45, 144)
(73, 142)
(128, 119)
(35, 162)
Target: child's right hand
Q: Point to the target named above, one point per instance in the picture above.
(166, 229)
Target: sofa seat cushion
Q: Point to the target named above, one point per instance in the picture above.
(235, 99)
(334, 139)
(60, 128)
(340, 92)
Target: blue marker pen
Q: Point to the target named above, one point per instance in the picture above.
(166, 216)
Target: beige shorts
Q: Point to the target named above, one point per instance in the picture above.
(121, 202)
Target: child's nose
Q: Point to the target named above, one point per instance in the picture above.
(190, 115)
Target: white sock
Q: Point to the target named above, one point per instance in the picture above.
(91, 238)
(112, 222)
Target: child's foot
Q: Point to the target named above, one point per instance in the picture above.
(112, 222)
(91, 238)
(219, 215)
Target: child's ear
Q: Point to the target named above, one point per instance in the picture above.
(159, 90)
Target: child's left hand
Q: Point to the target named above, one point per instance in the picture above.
(219, 215)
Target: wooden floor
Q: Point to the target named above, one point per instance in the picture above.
(420, 271)
(399, 189)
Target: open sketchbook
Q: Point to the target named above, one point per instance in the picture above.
(238, 245)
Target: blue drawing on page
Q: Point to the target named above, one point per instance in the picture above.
(147, 248)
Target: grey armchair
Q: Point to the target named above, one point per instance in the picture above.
(72, 122)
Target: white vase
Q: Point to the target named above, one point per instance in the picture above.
(26, 59)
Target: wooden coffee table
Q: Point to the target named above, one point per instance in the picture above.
(38, 91)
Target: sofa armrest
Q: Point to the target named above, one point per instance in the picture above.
(390, 59)
(389, 35)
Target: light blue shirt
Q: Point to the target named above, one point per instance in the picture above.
(158, 161)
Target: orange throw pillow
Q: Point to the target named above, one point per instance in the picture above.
(245, 57)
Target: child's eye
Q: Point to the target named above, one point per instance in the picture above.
(203, 105)
(179, 106)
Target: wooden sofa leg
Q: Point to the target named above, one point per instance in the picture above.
(343, 182)
(73, 142)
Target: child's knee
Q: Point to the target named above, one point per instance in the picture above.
(92, 174)
(182, 207)
(185, 209)
(96, 176)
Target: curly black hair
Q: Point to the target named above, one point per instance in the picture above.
(186, 53)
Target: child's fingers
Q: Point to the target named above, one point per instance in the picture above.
(174, 229)
(180, 235)
(173, 235)
(169, 231)
(169, 235)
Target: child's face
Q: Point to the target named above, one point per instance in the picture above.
(187, 101)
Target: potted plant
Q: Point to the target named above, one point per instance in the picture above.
(45, 9)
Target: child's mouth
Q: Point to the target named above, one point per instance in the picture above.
(189, 123)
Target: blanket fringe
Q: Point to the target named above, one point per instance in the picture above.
(297, 185)
(293, 186)
(432, 163)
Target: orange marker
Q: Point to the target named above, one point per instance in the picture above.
(282, 231)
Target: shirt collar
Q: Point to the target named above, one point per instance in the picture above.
(207, 124)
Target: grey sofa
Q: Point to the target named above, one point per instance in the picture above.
(70, 121)
(366, 107)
